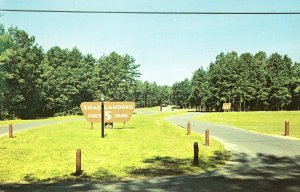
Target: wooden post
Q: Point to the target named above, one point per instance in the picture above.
(91, 125)
(196, 154)
(287, 128)
(207, 137)
(102, 119)
(78, 162)
(189, 128)
(10, 131)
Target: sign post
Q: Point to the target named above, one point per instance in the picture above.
(102, 119)
(102, 115)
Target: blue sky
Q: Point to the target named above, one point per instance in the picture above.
(168, 47)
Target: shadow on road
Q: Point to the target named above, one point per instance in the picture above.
(243, 173)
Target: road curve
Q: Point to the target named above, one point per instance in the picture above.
(241, 140)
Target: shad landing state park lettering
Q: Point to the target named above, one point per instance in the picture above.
(107, 107)
(113, 111)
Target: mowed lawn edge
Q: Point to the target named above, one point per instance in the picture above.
(147, 146)
(263, 122)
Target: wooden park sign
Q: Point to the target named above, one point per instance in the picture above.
(113, 111)
(226, 106)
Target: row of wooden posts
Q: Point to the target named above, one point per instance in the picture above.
(196, 146)
(189, 130)
(78, 159)
(196, 150)
(286, 129)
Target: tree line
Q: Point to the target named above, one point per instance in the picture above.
(249, 82)
(34, 82)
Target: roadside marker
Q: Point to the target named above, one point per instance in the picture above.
(207, 137)
(286, 128)
(78, 162)
(10, 130)
(189, 128)
(196, 154)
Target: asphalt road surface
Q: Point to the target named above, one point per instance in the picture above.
(23, 126)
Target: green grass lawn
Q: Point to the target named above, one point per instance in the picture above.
(18, 121)
(147, 146)
(271, 123)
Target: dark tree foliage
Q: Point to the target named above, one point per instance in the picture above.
(181, 93)
(21, 63)
(148, 94)
(249, 82)
(68, 79)
(295, 87)
(116, 75)
(35, 83)
(200, 91)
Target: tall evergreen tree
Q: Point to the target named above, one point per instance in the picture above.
(181, 92)
(279, 70)
(22, 75)
(259, 81)
(68, 79)
(5, 43)
(116, 74)
(295, 87)
(200, 88)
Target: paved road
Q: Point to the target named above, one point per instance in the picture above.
(242, 141)
(19, 127)
(258, 163)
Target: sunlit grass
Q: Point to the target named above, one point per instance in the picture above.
(146, 146)
(262, 122)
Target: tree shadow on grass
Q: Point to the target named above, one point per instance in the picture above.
(260, 172)
(101, 174)
(164, 166)
(104, 174)
(30, 178)
(120, 128)
(159, 166)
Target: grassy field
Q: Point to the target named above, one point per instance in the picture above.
(18, 121)
(147, 146)
(271, 123)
